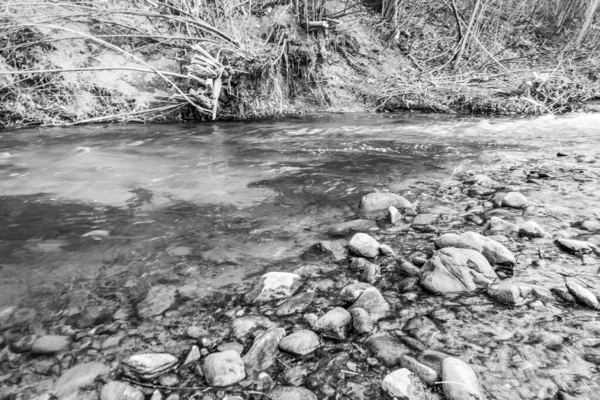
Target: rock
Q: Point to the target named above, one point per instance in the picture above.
(51, 344)
(115, 390)
(290, 393)
(381, 201)
(193, 356)
(510, 293)
(300, 342)
(196, 332)
(231, 346)
(78, 377)
(394, 215)
(168, 380)
(359, 264)
(514, 200)
(424, 219)
(481, 180)
(497, 224)
(370, 274)
(471, 240)
(263, 351)
(407, 269)
(93, 316)
(386, 348)
(148, 366)
(475, 260)
(425, 373)
(460, 382)
(373, 302)
(242, 327)
(447, 240)
(531, 229)
(583, 295)
(364, 245)
(398, 384)
(223, 369)
(336, 249)
(386, 250)
(575, 246)
(422, 329)
(349, 227)
(112, 341)
(592, 226)
(563, 295)
(24, 344)
(361, 321)
(334, 323)
(278, 285)
(493, 251)
(295, 376)
(296, 304)
(158, 300)
(5, 316)
(156, 395)
(353, 291)
(450, 271)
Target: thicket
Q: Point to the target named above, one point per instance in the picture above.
(243, 58)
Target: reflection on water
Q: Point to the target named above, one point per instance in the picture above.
(213, 203)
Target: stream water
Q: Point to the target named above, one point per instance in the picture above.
(217, 204)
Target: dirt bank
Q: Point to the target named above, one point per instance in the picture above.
(148, 62)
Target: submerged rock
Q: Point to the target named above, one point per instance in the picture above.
(575, 246)
(497, 224)
(373, 302)
(408, 269)
(296, 304)
(115, 390)
(361, 321)
(425, 373)
(290, 393)
(300, 342)
(583, 295)
(353, 291)
(148, 366)
(355, 226)
(394, 216)
(334, 323)
(513, 200)
(364, 245)
(242, 327)
(563, 295)
(158, 300)
(371, 273)
(508, 293)
(459, 380)
(382, 201)
(51, 344)
(263, 351)
(398, 384)
(336, 249)
(386, 348)
(531, 229)
(78, 377)
(223, 369)
(276, 285)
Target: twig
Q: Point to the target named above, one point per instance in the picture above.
(44, 71)
(115, 116)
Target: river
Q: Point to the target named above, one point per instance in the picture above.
(107, 208)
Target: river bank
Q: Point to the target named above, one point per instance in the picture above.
(483, 277)
(117, 61)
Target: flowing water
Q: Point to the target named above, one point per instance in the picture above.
(220, 203)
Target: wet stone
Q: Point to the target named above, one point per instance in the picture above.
(231, 346)
(336, 249)
(78, 377)
(508, 293)
(364, 245)
(353, 291)
(148, 366)
(386, 348)
(51, 344)
(592, 226)
(575, 246)
(382, 201)
(193, 356)
(263, 352)
(373, 302)
(447, 240)
(243, 327)
(407, 269)
(497, 224)
(291, 393)
(158, 300)
(408, 285)
(513, 200)
(371, 273)
(23, 344)
(460, 382)
(93, 316)
(424, 219)
(425, 373)
(300, 343)
(563, 295)
(168, 380)
(295, 376)
(394, 216)
(531, 229)
(387, 251)
(583, 295)
(361, 321)
(224, 368)
(350, 227)
(277, 285)
(422, 329)
(334, 323)
(296, 304)
(398, 384)
(115, 390)
(196, 332)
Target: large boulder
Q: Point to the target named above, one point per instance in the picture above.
(274, 286)
(459, 380)
(383, 201)
(364, 245)
(224, 368)
(263, 352)
(456, 271)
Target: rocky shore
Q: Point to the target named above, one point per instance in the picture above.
(405, 301)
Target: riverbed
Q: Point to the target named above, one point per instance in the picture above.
(97, 217)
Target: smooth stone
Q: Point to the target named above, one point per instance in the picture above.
(290, 393)
(425, 373)
(336, 249)
(460, 382)
(447, 240)
(386, 348)
(5, 315)
(168, 380)
(296, 304)
(148, 366)
(563, 295)
(531, 229)
(386, 250)
(361, 321)
(51, 344)
(334, 323)
(394, 215)
(359, 263)
(78, 377)
(156, 395)
(364, 245)
(243, 327)
(278, 285)
(399, 385)
(424, 219)
(112, 341)
(24, 344)
(370, 274)
(353, 291)
(583, 295)
(497, 224)
(196, 332)
(357, 225)
(510, 293)
(575, 246)
(263, 352)
(193, 356)
(224, 368)
(493, 251)
(158, 300)
(407, 269)
(115, 390)
(384, 200)
(295, 376)
(592, 226)
(93, 316)
(300, 343)
(373, 302)
(231, 346)
(475, 260)
(514, 200)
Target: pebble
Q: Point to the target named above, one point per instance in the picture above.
(224, 369)
(295, 376)
(277, 285)
(374, 303)
(386, 250)
(354, 226)
(460, 382)
(231, 346)
(386, 348)
(77, 377)
(334, 323)
(115, 390)
(195, 332)
(531, 229)
(425, 373)
(353, 291)
(361, 321)
(263, 352)
(407, 269)
(381, 201)
(583, 295)
(575, 246)
(398, 384)
(514, 200)
(194, 356)
(51, 344)
(148, 366)
(364, 245)
(370, 274)
(300, 343)
(296, 304)
(168, 380)
(24, 344)
(394, 215)
(291, 393)
(243, 327)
